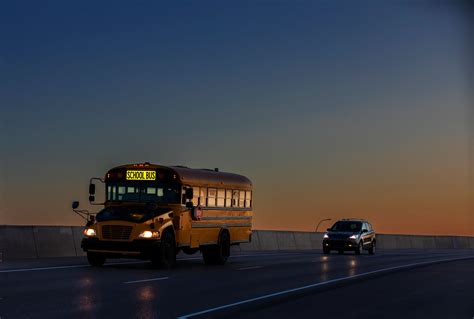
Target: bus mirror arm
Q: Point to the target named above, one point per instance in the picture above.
(83, 213)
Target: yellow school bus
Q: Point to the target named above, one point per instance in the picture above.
(154, 211)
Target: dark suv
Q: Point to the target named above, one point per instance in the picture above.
(350, 234)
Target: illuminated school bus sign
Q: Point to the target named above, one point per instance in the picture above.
(141, 175)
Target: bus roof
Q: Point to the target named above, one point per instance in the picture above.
(198, 177)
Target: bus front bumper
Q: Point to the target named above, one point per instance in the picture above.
(138, 248)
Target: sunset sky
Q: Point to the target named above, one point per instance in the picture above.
(332, 108)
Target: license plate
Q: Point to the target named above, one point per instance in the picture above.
(141, 175)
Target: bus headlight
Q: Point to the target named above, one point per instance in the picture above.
(326, 236)
(149, 234)
(89, 232)
(354, 237)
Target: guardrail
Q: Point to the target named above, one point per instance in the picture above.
(17, 242)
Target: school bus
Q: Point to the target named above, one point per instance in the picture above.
(153, 212)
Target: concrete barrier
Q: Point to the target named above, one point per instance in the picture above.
(460, 242)
(254, 244)
(302, 240)
(286, 240)
(18, 242)
(77, 235)
(268, 240)
(444, 242)
(54, 241)
(316, 240)
(387, 241)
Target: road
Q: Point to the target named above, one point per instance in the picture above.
(298, 284)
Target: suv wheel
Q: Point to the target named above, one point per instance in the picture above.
(359, 248)
(372, 248)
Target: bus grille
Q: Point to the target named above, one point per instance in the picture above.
(116, 232)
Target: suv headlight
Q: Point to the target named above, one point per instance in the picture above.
(89, 232)
(149, 234)
(326, 236)
(354, 237)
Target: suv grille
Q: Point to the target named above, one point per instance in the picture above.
(116, 232)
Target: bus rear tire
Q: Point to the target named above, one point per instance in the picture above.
(165, 256)
(95, 259)
(217, 254)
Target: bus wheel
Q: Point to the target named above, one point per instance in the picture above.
(166, 254)
(95, 259)
(217, 254)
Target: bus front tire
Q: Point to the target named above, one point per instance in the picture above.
(217, 254)
(95, 259)
(166, 253)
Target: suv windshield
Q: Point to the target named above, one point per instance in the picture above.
(347, 226)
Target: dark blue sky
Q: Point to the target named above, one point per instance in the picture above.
(314, 97)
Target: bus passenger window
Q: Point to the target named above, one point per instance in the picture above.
(151, 191)
(235, 198)
(211, 197)
(195, 196)
(248, 199)
(241, 198)
(160, 192)
(109, 192)
(220, 197)
(202, 196)
(228, 198)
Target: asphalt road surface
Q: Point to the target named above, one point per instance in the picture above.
(292, 284)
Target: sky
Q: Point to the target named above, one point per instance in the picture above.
(333, 109)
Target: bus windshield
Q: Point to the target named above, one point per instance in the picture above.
(135, 192)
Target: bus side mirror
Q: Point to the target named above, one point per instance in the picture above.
(329, 229)
(91, 189)
(91, 198)
(189, 193)
(75, 204)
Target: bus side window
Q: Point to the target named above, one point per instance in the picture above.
(241, 198)
(202, 196)
(248, 199)
(195, 196)
(211, 196)
(220, 197)
(235, 198)
(228, 198)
